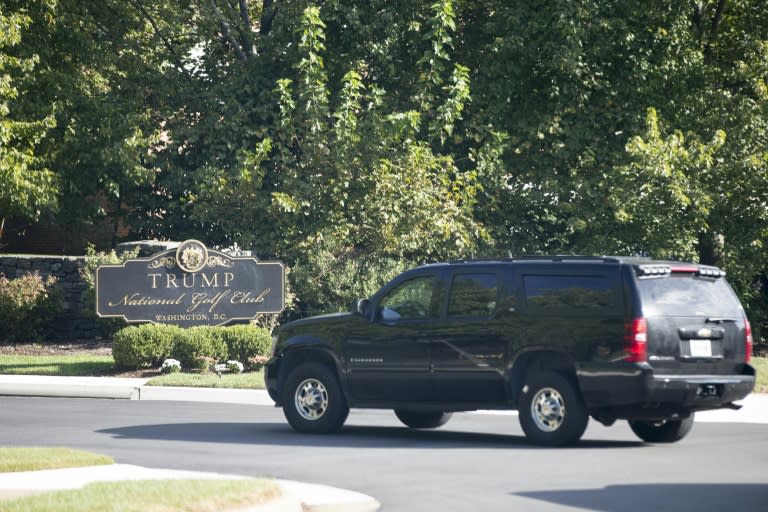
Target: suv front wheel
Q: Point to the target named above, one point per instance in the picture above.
(669, 431)
(313, 401)
(551, 411)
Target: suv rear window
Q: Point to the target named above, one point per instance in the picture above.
(682, 294)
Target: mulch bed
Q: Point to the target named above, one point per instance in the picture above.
(95, 348)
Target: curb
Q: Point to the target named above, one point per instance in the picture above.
(71, 387)
(296, 496)
(123, 389)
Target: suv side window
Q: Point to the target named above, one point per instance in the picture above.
(559, 292)
(473, 295)
(411, 300)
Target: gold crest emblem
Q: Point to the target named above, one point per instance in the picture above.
(191, 256)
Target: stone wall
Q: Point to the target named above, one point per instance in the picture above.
(77, 319)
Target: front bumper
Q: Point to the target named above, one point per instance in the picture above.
(271, 379)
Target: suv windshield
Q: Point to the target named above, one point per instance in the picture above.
(687, 295)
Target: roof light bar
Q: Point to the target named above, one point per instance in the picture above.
(711, 272)
(654, 270)
(662, 270)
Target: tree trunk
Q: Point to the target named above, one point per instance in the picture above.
(712, 249)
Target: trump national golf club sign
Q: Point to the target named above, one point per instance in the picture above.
(191, 285)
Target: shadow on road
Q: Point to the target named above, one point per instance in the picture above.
(645, 497)
(280, 434)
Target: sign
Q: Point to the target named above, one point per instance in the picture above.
(190, 286)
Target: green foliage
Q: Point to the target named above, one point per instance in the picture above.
(398, 132)
(28, 306)
(199, 342)
(343, 175)
(93, 260)
(668, 190)
(27, 187)
(332, 282)
(246, 341)
(144, 346)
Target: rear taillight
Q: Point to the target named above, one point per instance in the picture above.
(748, 341)
(636, 341)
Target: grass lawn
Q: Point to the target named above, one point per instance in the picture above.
(250, 380)
(63, 365)
(128, 496)
(85, 365)
(761, 365)
(34, 459)
(154, 495)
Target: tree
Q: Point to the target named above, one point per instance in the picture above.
(28, 187)
(341, 179)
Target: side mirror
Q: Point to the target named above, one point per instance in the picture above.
(363, 307)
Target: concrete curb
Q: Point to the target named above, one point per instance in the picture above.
(71, 387)
(296, 496)
(119, 388)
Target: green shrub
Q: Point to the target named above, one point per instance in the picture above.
(28, 307)
(246, 341)
(198, 342)
(143, 346)
(94, 260)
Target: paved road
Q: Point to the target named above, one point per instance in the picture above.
(477, 462)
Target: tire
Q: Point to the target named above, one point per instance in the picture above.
(416, 419)
(551, 411)
(313, 402)
(669, 431)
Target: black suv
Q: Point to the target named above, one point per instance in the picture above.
(559, 339)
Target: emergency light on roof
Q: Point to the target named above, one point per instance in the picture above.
(654, 270)
(662, 270)
(711, 272)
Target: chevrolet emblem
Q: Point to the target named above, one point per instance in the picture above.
(704, 333)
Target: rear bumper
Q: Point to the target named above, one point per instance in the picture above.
(699, 392)
(640, 387)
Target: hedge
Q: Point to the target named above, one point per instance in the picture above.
(146, 346)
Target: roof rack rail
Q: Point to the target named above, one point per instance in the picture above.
(569, 257)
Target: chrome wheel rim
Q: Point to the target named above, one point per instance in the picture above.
(311, 399)
(548, 409)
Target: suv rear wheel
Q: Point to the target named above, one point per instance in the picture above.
(416, 419)
(669, 431)
(313, 402)
(551, 411)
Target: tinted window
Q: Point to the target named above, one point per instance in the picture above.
(409, 300)
(569, 292)
(472, 295)
(686, 295)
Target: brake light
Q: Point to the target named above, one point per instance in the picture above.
(683, 269)
(636, 341)
(748, 341)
